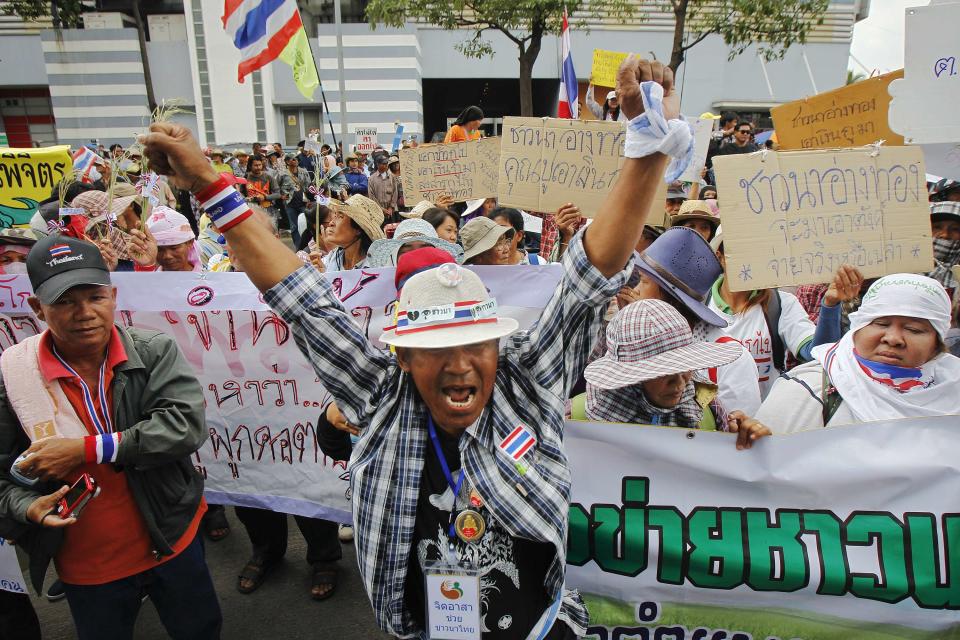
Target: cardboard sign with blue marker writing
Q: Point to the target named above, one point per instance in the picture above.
(794, 217)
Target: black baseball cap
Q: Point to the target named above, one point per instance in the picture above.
(58, 263)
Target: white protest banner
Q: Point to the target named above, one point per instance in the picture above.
(702, 128)
(831, 534)
(793, 217)
(461, 170)
(923, 108)
(548, 162)
(11, 578)
(365, 139)
(262, 396)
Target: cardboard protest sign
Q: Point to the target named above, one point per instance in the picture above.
(845, 117)
(702, 128)
(793, 217)
(924, 105)
(461, 170)
(603, 72)
(365, 139)
(27, 176)
(547, 162)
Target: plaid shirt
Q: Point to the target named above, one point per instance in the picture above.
(535, 372)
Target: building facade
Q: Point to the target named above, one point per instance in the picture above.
(78, 85)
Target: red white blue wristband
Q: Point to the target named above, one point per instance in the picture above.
(224, 204)
(102, 448)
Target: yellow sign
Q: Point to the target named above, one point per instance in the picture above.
(28, 176)
(846, 117)
(605, 64)
(793, 217)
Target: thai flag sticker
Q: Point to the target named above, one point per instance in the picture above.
(518, 443)
(59, 250)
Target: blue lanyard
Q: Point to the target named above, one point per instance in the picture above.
(106, 424)
(454, 486)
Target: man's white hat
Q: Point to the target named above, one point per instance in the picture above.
(446, 307)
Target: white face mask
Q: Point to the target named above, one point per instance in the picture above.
(16, 268)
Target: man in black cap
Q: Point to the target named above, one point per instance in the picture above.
(88, 398)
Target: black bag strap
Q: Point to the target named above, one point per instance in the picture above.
(772, 315)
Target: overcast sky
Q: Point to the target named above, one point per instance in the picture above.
(878, 40)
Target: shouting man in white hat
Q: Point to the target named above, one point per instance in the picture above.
(460, 482)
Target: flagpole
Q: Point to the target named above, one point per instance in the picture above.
(323, 95)
(343, 84)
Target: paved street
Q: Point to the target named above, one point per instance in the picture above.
(281, 608)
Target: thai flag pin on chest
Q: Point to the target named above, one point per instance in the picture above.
(518, 444)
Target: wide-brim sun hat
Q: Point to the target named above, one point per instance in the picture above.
(649, 339)
(418, 210)
(472, 205)
(682, 263)
(383, 253)
(97, 203)
(365, 212)
(479, 235)
(696, 210)
(446, 307)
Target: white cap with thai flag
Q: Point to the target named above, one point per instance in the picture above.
(446, 307)
(568, 105)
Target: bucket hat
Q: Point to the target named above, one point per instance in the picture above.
(383, 253)
(944, 211)
(697, 210)
(649, 339)
(446, 307)
(365, 212)
(96, 202)
(418, 210)
(18, 236)
(479, 235)
(684, 265)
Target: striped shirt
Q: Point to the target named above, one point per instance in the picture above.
(536, 369)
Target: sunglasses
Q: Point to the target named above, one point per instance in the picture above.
(746, 131)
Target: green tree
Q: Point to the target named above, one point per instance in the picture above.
(773, 25)
(524, 22)
(64, 13)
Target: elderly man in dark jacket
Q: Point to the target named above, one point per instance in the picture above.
(96, 404)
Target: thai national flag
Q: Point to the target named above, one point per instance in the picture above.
(518, 443)
(59, 250)
(260, 29)
(568, 105)
(83, 159)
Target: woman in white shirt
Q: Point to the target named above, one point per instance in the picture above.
(610, 110)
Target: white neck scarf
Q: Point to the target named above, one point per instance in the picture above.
(884, 392)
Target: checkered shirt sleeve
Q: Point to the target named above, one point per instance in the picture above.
(347, 363)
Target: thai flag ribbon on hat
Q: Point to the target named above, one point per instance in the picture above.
(444, 316)
(519, 443)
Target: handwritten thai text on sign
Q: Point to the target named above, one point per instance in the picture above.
(792, 218)
(603, 72)
(366, 139)
(26, 178)
(545, 163)
(845, 117)
(462, 170)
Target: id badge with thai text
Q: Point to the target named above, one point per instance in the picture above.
(453, 601)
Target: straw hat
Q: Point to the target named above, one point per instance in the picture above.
(697, 210)
(479, 235)
(418, 211)
(446, 307)
(649, 339)
(365, 212)
(383, 253)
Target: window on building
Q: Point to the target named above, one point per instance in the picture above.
(314, 12)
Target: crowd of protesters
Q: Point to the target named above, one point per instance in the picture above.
(642, 329)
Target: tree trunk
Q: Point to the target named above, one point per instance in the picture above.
(528, 56)
(680, 14)
(142, 39)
